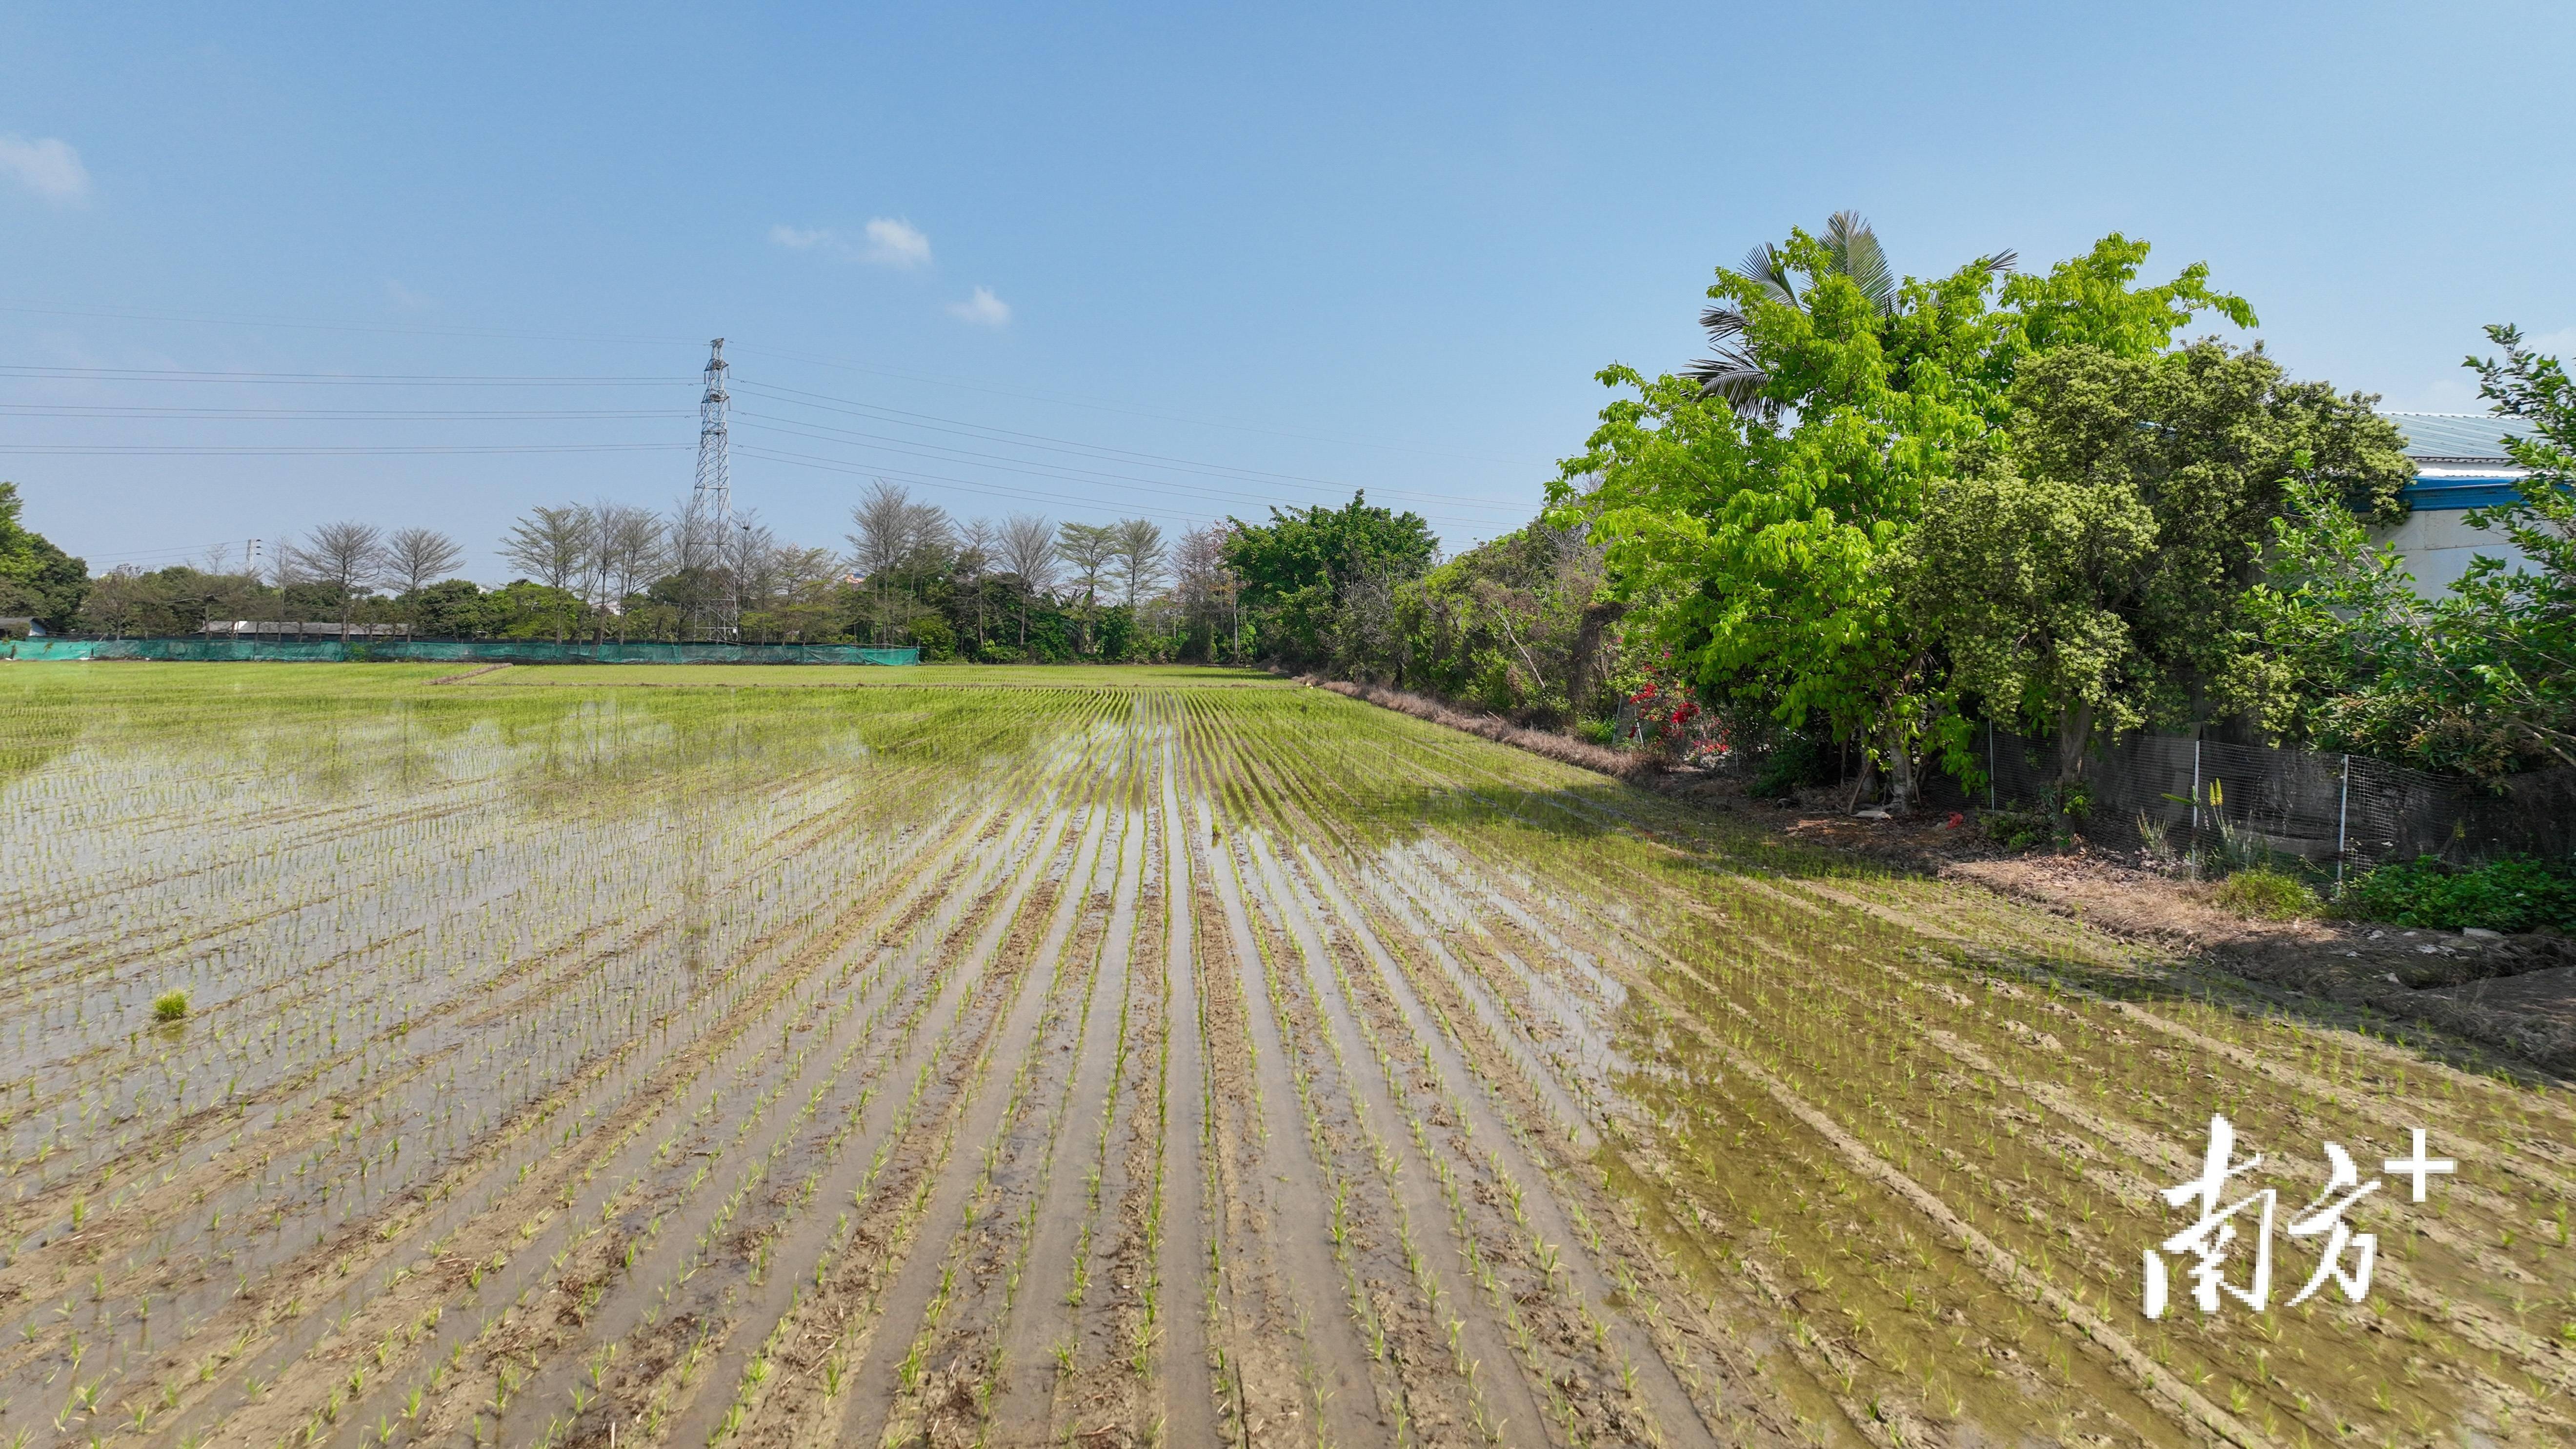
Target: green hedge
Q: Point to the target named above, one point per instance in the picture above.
(2515, 894)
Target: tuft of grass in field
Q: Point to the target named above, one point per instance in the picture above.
(170, 1006)
(2268, 895)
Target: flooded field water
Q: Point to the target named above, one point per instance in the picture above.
(1130, 1064)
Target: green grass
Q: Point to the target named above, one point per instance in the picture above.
(170, 1006)
(972, 676)
(2268, 895)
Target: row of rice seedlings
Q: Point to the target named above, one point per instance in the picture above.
(702, 1347)
(1069, 973)
(1395, 1393)
(1520, 1331)
(836, 1360)
(1207, 749)
(1843, 1079)
(977, 1346)
(1190, 1391)
(1395, 975)
(922, 993)
(1403, 1097)
(2076, 1214)
(1616, 1128)
(835, 1364)
(1621, 1265)
(1119, 949)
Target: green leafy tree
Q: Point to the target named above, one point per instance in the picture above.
(1088, 549)
(2482, 679)
(1517, 626)
(1760, 521)
(1762, 514)
(2089, 572)
(37, 580)
(2020, 577)
(1316, 577)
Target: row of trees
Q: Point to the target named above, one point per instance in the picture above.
(1029, 588)
(1024, 587)
(1886, 509)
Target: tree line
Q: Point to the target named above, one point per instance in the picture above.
(1020, 588)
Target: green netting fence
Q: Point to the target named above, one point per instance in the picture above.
(459, 651)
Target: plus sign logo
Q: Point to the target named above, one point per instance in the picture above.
(2419, 1166)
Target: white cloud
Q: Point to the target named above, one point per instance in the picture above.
(889, 242)
(895, 243)
(48, 167)
(983, 309)
(407, 299)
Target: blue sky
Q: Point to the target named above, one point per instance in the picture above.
(1117, 261)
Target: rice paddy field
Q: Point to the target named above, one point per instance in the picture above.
(1119, 1059)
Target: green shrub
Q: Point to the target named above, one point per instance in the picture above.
(1798, 759)
(2514, 894)
(170, 1007)
(2268, 895)
(2018, 829)
(1596, 732)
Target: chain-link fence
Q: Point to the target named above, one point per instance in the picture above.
(2324, 808)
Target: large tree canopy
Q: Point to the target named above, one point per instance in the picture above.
(2089, 570)
(1308, 569)
(37, 580)
(1759, 512)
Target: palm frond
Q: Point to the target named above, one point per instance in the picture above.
(1732, 377)
(2003, 263)
(1721, 322)
(1858, 255)
(1767, 268)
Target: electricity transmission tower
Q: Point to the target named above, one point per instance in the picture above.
(711, 506)
(714, 498)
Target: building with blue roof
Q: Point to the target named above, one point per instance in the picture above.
(2460, 464)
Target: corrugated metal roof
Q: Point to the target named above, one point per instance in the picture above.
(2457, 435)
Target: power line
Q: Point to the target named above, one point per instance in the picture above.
(836, 465)
(381, 415)
(353, 450)
(179, 551)
(397, 331)
(821, 402)
(763, 423)
(301, 379)
(838, 364)
(1069, 400)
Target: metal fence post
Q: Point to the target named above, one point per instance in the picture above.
(2343, 818)
(2195, 791)
(2195, 807)
(1990, 764)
